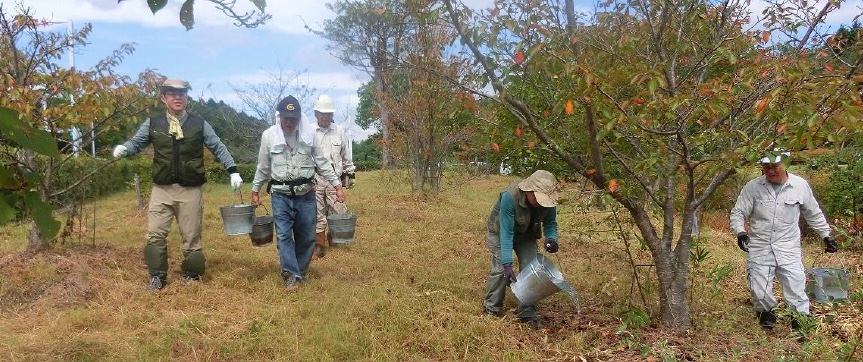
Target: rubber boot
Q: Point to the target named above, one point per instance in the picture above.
(320, 245)
(767, 319)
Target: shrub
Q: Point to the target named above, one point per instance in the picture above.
(117, 176)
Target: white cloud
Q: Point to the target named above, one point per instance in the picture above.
(286, 14)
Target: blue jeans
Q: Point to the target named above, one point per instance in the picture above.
(294, 217)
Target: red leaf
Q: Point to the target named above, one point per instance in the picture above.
(495, 147)
(519, 57)
(761, 104)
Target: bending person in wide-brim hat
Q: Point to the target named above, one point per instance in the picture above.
(522, 213)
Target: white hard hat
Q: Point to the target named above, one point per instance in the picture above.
(324, 104)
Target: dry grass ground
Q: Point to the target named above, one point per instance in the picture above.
(409, 289)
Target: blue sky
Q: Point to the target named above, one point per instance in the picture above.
(216, 54)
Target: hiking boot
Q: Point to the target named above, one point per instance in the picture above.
(767, 319)
(156, 283)
(491, 313)
(319, 252)
(191, 278)
(292, 283)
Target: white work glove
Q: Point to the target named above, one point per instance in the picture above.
(236, 181)
(120, 151)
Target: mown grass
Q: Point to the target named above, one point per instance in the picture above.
(409, 288)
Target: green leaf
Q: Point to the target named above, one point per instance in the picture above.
(156, 5)
(651, 85)
(732, 57)
(187, 14)
(16, 130)
(7, 212)
(8, 180)
(41, 213)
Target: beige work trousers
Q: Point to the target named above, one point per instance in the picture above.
(327, 204)
(168, 202)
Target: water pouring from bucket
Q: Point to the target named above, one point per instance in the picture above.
(539, 279)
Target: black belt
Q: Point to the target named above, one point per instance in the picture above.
(291, 183)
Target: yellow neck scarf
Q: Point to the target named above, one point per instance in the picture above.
(174, 128)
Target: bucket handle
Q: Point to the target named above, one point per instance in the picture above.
(822, 253)
(265, 208)
(234, 198)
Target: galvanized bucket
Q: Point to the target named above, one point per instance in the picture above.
(538, 279)
(262, 229)
(237, 219)
(826, 285)
(342, 228)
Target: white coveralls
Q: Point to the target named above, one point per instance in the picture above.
(774, 245)
(335, 146)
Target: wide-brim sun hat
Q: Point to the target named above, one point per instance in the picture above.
(543, 184)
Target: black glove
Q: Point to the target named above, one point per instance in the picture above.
(743, 241)
(508, 273)
(551, 245)
(830, 245)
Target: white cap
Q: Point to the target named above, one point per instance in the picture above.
(324, 104)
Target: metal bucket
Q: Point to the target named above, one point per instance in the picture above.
(537, 280)
(342, 227)
(237, 219)
(262, 230)
(826, 285)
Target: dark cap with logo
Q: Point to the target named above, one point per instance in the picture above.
(289, 107)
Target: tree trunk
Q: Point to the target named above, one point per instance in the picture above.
(673, 307)
(380, 91)
(672, 269)
(35, 238)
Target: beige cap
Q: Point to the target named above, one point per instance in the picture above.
(176, 84)
(542, 184)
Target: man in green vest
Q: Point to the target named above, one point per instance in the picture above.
(524, 210)
(178, 140)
